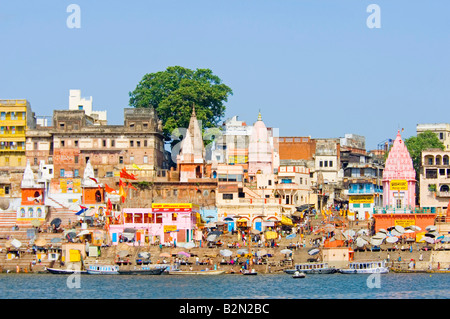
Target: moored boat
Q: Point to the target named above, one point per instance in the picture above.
(196, 272)
(142, 271)
(250, 272)
(314, 268)
(103, 269)
(366, 267)
(61, 271)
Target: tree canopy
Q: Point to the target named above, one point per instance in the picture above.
(417, 144)
(174, 92)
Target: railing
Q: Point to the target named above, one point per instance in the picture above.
(404, 210)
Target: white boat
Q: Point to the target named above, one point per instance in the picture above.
(103, 269)
(315, 268)
(366, 267)
(298, 274)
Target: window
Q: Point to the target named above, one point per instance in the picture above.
(109, 174)
(120, 159)
(145, 125)
(80, 107)
(331, 163)
(138, 143)
(63, 143)
(227, 196)
(35, 161)
(441, 136)
(326, 163)
(399, 203)
(35, 145)
(366, 205)
(113, 143)
(145, 143)
(131, 159)
(174, 217)
(321, 164)
(131, 143)
(61, 172)
(62, 126)
(104, 143)
(431, 173)
(145, 159)
(270, 182)
(3, 116)
(76, 173)
(87, 159)
(75, 159)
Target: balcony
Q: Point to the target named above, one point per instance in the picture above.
(442, 194)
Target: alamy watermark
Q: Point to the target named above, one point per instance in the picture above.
(74, 19)
(374, 19)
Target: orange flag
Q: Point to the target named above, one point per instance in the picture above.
(131, 186)
(109, 189)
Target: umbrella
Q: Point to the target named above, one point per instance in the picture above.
(226, 253)
(56, 240)
(83, 232)
(56, 222)
(429, 240)
(183, 254)
(446, 239)
(242, 251)
(431, 228)
(144, 254)
(392, 240)
(123, 253)
(291, 236)
(40, 242)
(339, 235)
(365, 231)
(209, 216)
(16, 243)
(286, 251)
(432, 235)
(376, 241)
(129, 230)
(380, 235)
(349, 233)
(409, 231)
(255, 231)
(228, 219)
(394, 232)
(71, 234)
(215, 232)
(360, 242)
(415, 228)
(400, 229)
(164, 255)
(189, 245)
(313, 251)
(261, 253)
(211, 238)
(382, 230)
(329, 227)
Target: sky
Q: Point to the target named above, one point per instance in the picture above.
(313, 67)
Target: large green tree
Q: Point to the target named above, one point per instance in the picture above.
(174, 92)
(417, 144)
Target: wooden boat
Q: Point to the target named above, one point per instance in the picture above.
(142, 271)
(103, 269)
(298, 274)
(366, 267)
(250, 273)
(60, 271)
(199, 272)
(290, 271)
(315, 268)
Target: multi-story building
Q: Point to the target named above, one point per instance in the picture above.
(78, 103)
(16, 118)
(442, 131)
(435, 180)
(362, 177)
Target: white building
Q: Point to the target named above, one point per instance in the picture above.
(76, 102)
(442, 131)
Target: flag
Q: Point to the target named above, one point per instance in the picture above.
(136, 167)
(94, 180)
(109, 204)
(109, 189)
(122, 192)
(81, 211)
(131, 186)
(126, 175)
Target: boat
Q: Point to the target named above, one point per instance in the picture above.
(314, 268)
(250, 272)
(196, 272)
(366, 267)
(298, 274)
(142, 271)
(103, 270)
(290, 271)
(60, 271)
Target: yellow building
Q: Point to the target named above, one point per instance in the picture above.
(15, 118)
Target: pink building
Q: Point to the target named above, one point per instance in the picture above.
(166, 223)
(399, 178)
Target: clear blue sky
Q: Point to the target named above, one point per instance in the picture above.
(313, 67)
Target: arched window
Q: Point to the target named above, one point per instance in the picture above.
(98, 197)
(445, 160)
(444, 188)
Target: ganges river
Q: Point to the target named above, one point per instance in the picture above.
(268, 286)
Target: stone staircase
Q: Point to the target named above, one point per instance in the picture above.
(8, 218)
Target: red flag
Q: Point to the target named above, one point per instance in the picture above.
(93, 179)
(109, 204)
(126, 175)
(131, 186)
(109, 189)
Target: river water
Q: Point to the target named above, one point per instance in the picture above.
(269, 286)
